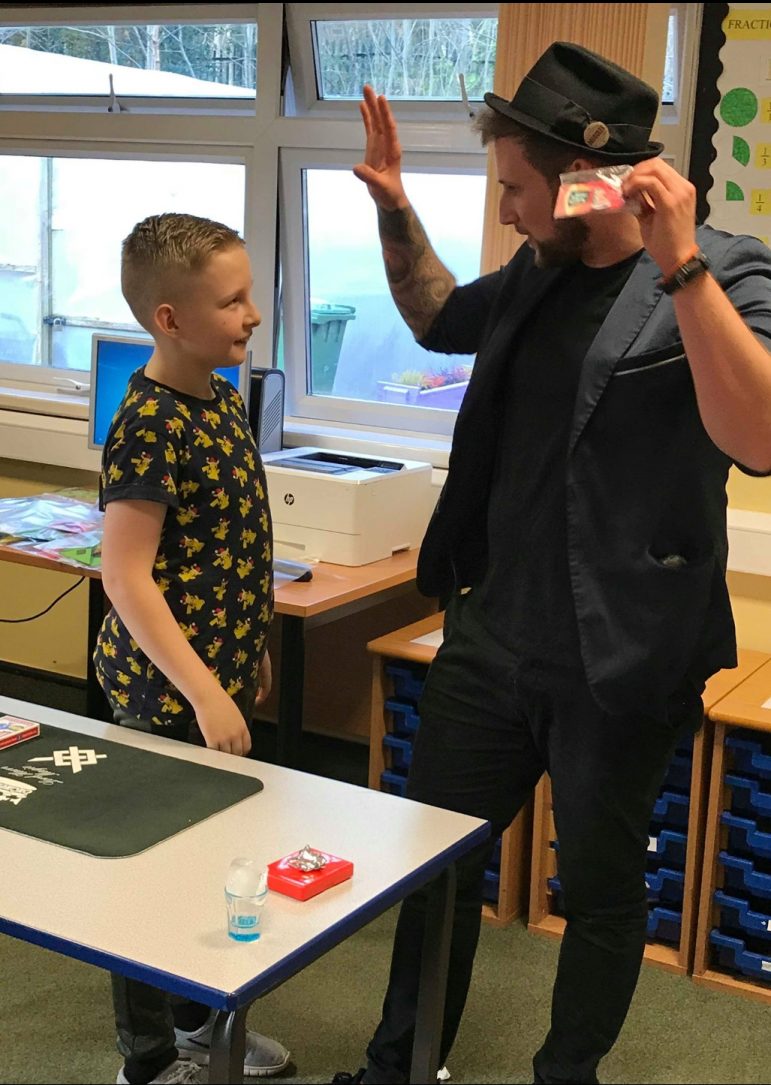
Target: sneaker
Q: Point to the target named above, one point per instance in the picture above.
(263, 1058)
(180, 1072)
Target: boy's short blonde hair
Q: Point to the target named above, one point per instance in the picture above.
(160, 251)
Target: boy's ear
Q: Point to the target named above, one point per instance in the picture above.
(165, 319)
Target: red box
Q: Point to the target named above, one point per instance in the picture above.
(303, 884)
(13, 729)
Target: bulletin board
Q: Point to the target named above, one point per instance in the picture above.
(739, 190)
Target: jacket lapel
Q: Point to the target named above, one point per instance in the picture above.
(626, 319)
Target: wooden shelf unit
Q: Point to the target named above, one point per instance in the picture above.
(678, 959)
(742, 707)
(515, 845)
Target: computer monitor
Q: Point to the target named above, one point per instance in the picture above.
(113, 359)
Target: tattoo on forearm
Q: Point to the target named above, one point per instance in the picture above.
(419, 281)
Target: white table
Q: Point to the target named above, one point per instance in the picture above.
(159, 916)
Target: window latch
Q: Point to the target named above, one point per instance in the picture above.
(115, 104)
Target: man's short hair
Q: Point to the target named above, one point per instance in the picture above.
(548, 156)
(160, 251)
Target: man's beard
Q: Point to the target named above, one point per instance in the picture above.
(565, 247)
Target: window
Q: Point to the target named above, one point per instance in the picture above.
(362, 362)
(123, 62)
(425, 59)
(60, 250)
(669, 91)
(678, 91)
(79, 176)
(404, 58)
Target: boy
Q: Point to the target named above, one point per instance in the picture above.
(186, 558)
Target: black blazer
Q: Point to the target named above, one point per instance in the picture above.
(646, 501)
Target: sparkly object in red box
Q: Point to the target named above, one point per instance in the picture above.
(13, 729)
(307, 872)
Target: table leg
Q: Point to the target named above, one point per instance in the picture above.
(228, 1045)
(433, 978)
(291, 681)
(96, 702)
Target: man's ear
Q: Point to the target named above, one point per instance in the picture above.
(579, 164)
(165, 319)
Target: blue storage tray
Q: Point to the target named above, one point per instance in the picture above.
(665, 925)
(736, 913)
(734, 955)
(492, 886)
(685, 746)
(495, 858)
(401, 752)
(750, 755)
(670, 811)
(405, 718)
(739, 874)
(665, 885)
(393, 783)
(748, 799)
(678, 777)
(408, 682)
(668, 847)
(745, 837)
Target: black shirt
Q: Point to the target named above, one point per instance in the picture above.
(525, 597)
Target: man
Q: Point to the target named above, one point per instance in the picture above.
(580, 540)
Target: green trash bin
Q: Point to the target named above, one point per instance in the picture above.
(327, 329)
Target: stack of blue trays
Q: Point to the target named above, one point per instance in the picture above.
(741, 940)
(668, 841)
(408, 680)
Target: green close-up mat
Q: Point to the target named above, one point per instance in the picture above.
(104, 798)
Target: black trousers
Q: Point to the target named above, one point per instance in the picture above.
(490, 727)
(145, 1016)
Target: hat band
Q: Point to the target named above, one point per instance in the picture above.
(568, 120)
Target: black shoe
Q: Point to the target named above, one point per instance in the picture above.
(349, 1079)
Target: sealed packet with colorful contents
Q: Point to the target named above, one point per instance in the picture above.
(591, 191)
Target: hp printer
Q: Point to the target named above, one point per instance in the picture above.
(346, 509)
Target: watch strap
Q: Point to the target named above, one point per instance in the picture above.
(691, 269)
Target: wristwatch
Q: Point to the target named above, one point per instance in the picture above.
(691, 269)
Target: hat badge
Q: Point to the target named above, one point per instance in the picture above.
(596, 134)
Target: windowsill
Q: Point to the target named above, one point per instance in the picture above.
(749, 539)
(35, 400)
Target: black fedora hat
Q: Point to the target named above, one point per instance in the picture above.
(583, 100)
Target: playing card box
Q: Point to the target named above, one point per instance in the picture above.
(13, 729)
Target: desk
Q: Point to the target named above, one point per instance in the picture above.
(335, 592)
(175, 936)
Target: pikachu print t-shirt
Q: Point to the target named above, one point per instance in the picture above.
(214, 561)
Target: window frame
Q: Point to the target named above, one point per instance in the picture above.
(122, 15)
(160, 137)
(302, 93)
(337, 410)
(674, 127)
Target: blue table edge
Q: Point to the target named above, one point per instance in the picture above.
(283, 969)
